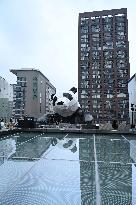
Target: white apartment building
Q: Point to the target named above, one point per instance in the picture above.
(132, 96)
(6, 99)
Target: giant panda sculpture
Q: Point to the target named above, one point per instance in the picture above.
(67, 108)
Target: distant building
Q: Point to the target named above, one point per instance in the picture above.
(6, 99)
(132, 96)
(103, 64)
(32, 93)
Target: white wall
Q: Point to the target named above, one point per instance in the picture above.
(6, 99)
(6, 90)
(132, 94)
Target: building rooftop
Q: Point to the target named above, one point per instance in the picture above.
(15, 71)
(106, 12)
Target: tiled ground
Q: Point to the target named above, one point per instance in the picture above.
(36, 169)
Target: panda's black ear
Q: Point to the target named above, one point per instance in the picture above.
(73, 89)
(52, 96)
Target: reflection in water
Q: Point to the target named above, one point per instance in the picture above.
(133, 184)
(64, 172)
(65, 143)
(114, 172)
(45, 181)
(7, 148)
(133, 149)
(31, 149)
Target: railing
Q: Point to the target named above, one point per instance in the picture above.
(121, 127)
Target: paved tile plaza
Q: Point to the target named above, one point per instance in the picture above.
(39, 168)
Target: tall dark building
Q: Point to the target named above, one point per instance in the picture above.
(103, 64)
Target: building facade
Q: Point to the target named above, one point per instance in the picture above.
(31, 93)
(103, 64)
(6, 100)
(132, 97)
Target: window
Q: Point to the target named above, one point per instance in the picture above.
(84, 40)
(85, 84)
(85, 54)
(96, 65)
(109, 96)
(107, 19)
(96, 55)
(84, 21)
(84, 68)
(121, 95)
(95, 37)
(84, 29)
(121, 63)
(95, 28)
(107, 45)
(96, 45)
(120, 18)
(120, 44)
(107, 27)
(108, 36)
(95, 95)
(108, 54)
(95, 20)
(108, 64)
(121, 54)
(120, 26)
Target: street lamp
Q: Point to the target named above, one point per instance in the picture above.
(132, 109)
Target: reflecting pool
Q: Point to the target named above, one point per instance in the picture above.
(67, 169)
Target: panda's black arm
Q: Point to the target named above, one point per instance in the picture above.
(67, 95)
(54, 100)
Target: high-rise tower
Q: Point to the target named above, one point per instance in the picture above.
(103, 64)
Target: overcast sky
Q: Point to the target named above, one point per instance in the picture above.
(43, 34)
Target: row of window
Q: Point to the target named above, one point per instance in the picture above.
(108, 38)
(105, 35)
(106, 45)
(105, 20)
(22, 79)
(95, 58)
(108, 68)
(106, 28)
(121, 82)
(121, 63)
(35, 88)
(106, 54)
(108, 93)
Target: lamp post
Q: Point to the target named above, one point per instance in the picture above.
(132, 109)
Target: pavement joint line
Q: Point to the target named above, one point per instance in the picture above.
(27, 140)
(87, 161)
(97, 178)
(128, 141)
